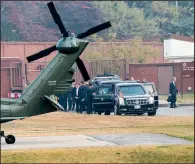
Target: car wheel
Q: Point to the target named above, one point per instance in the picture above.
(99, 113)
(107, 113)
(10, 139)
(116, 110)
(88, 112)
(153, 113)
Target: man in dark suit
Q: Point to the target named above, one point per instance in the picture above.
(63, 100)
(173, 92)
(89, 98)
(76, 92)
(69, 97)
(82, 96)
(73, 94)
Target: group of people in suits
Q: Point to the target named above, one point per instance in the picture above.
(78, 98)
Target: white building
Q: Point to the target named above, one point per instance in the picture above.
(179, 48)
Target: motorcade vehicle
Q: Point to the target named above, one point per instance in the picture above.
(104, 77)
(103, 97)
(130, 81)
(132, 98)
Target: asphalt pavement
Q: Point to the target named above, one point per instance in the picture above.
(179, 111)
(67, 141)
(81, 141)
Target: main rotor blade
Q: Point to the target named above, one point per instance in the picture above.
(57, 19)
(41, 54)
(94, 30)
(82, 69)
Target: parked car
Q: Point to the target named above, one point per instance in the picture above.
(103, 99)
(113, 76)
(130, 81)
(151, 89)
(104, 77)
(107, 82)
(132, 98)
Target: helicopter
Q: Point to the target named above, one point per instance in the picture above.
(55, 78)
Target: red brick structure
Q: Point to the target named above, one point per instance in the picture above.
(14, 76)
(161, 75)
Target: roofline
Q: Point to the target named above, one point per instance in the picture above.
(181, 57)
(179, 37)
(9, 58)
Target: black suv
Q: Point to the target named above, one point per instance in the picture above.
(132, 98)
(103, 98)
(104, 77)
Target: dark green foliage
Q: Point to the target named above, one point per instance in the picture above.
(32, 21)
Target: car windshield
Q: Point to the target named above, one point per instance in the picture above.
(149, 88)
(131, 90)
(102, 90)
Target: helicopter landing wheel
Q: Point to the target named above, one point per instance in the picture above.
(10, 139)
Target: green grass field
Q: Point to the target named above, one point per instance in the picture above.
(138, 154)
(61, 123)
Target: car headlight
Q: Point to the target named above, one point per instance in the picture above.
(121, 101)
(151, 100)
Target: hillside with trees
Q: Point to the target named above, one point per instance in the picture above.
(32, 21)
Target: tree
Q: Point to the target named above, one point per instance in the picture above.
(33, 21)
(95, 38)
(93, 56)
(134, 52)
(8, 31)
(173, 19)
(126, 22)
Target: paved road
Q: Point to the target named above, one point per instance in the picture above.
(180, 111)
(103, 140)
(92, 141)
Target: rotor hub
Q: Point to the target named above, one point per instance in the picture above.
(68, 45)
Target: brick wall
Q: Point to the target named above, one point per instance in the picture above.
(24, 49)
(150, 72)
